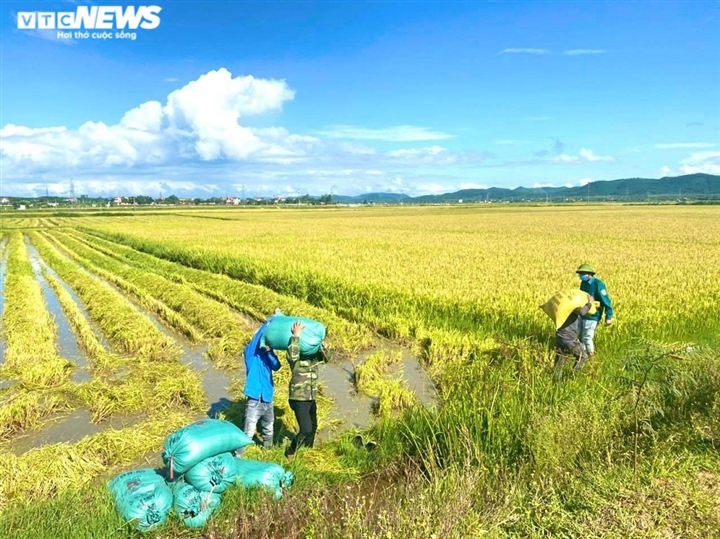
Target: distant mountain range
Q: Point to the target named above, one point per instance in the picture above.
(691, 186)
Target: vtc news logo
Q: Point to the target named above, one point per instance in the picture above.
(92, 18)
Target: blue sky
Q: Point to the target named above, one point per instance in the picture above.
(282, 98)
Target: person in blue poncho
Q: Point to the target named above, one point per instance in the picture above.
(260, 362)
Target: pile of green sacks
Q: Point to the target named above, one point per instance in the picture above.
(201, 465)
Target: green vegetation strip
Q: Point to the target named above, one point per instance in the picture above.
(126, 384)
(371, 378)
(396, 313)
(257, 301)
(127, 329)
(31, 352)
(144, 298)
(215, 320)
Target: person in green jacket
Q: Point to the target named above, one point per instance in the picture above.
(597, 289)
(303, 389)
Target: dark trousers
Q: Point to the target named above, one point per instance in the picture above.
(306, 415)
(563, 350)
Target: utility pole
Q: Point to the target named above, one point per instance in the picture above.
(243, 194)
(72, 192)
(588, 193)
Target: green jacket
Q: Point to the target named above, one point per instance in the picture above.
(304, 379)
(597, 289)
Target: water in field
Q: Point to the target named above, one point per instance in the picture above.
(408, 369)
(78, 302)
(351, 409)
(68, 428)
(67, 341)
(215, 382)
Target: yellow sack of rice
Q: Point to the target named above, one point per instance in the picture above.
(559, 307)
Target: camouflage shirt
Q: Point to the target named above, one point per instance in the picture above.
(304, 379)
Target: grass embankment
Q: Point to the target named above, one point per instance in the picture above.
(511, 454)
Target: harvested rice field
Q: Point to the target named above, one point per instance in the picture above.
(116, 330)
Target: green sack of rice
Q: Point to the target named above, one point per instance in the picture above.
(206, 438)
(214, 474)
(142, 496)
(193, 506)
(255, 473)
(278, 332)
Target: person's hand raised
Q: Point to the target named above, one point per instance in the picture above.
(297, 328)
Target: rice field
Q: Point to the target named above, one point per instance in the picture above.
(125, 320)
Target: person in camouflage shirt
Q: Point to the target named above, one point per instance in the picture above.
(303, 389)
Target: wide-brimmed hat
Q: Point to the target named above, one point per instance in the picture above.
(585, 268)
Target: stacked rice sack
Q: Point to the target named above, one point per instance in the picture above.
(142, 496)
(201, 465)
(202, 453)
(268, 475)
(200, 456)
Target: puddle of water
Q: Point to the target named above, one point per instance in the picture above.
(78, 302)
(215, 382)
(66, 429)
(352, 409)
(408, 368)
(417, 380)
(67, 341)
(7, 384)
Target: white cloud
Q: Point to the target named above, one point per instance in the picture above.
(697, 162)
(585, 156)
(473, 186)
(705, 162)
(432, 189)
(683, 145)
(541, 185)
(400, 133)
(356, 149)
(433, 156)
(417, 152)
(524, 51)
(584, 181)
(198, 121)
(170, 79)
(580, 52)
